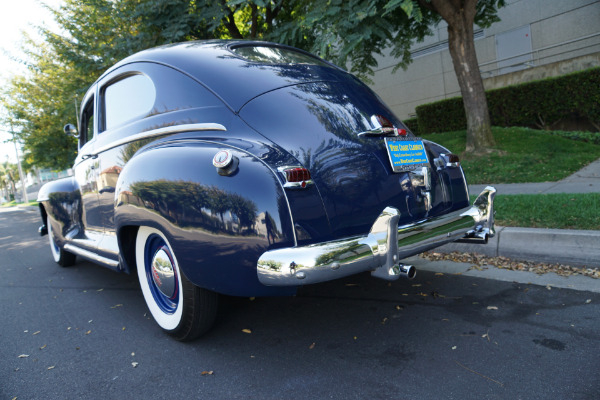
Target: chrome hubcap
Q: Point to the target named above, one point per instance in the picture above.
(163, 274)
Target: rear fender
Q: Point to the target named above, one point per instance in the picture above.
(218, 224)
(60, 204)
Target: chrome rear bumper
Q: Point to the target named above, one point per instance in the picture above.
(381, 250)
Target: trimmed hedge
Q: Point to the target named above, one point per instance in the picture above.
(538, 104)
(412, 124)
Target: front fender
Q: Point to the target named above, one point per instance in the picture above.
(60, 201)
(218, 225)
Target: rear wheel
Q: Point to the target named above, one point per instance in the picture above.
(180, 308)
(60, 255)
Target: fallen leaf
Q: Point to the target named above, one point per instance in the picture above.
(399, 308)
(384, 321)
(439, 274)
(252, 298)
(135, 364)
(588, 301)
(121, 305)
(90, 321)
(24, 356)
(246, 330)
(312, 346)
(99, 290)
(453, 347)
(43, 347)
(207, 373)
(123, 328)
(88, 332)
(35, 333)
(52, 367)
(492, 308)
(548, 287)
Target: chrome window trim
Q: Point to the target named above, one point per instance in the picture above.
(159, 132)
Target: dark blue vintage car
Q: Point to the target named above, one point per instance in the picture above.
(248, 169)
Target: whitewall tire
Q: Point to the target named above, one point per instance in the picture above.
(182, 309)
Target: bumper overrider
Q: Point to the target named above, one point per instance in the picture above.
(381, 250)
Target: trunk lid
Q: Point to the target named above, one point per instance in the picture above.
(319, 124)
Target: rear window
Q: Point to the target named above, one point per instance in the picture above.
(276, 55)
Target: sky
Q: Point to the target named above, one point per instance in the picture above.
(17, 16)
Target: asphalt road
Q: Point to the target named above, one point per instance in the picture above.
(84, 332)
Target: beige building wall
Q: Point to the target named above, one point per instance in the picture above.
(559, 36)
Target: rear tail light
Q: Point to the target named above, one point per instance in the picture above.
(447, 160)
(453, 160)
(296, 177)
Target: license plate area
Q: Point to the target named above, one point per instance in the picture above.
(406, 154)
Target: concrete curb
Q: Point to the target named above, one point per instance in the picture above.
(556, 246)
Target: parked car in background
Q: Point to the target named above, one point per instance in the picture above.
(248, 168)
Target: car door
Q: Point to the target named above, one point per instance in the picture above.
(86, 173)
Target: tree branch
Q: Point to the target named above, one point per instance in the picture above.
(230, 21)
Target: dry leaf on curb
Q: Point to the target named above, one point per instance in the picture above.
(246, 330)
(88, 332)
(24, 356)
(384, 321)
(312, 346)
(588, 301)
(492, 308)
(207, 373)
(43, 347)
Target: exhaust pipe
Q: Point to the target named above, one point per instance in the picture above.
(405, 271)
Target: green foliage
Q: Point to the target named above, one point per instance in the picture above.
(591, 137)
(413, 125)
(97, 33)
(523, 155)
(540, 104)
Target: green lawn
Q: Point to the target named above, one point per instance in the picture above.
(555, 211)
(527, 155)
(524, 155)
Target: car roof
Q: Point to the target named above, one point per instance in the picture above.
(232, 77)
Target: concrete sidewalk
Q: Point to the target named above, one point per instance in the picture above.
(562, 246)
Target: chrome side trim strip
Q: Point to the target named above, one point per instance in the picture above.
(380, 251)
(91, 256)
(159, 132)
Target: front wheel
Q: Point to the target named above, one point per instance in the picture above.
(60, 255)
(180, 308)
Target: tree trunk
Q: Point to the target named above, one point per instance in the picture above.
(460, 18)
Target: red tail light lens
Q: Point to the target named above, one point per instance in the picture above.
(296, 177)
(297, 174)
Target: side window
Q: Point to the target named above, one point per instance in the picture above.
(127, 99)
(87, 123)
